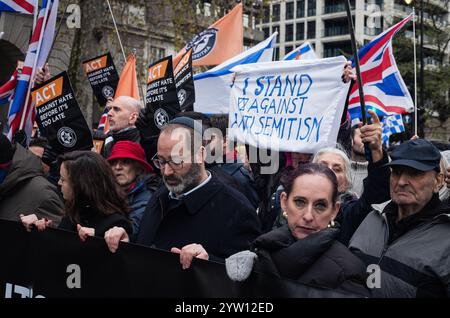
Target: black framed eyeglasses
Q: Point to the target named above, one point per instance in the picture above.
(174, 163)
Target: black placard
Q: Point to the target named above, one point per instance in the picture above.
(58, 114)
(102, 76)
(161, 92)
(184, 82)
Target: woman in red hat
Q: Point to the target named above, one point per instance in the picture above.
(135, 176)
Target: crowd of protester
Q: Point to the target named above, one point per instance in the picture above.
(321, 219)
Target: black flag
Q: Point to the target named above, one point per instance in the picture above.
(103, 77)
(58, 114)
(161, 92)
(184, 82)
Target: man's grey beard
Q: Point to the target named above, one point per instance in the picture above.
(188, 182)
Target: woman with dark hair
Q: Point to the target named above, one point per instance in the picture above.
(94, 202)
(305, 249)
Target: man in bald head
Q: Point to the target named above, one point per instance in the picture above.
(122, 115)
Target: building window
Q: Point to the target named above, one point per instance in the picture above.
(288, 49)
(266, 15)
(311, 30)
(266, 32)
(277, 54)
(289, 10)
(157, 53)
(275, 12)
(289, 33)
(300, 9)
(311, 8)
(300, 32)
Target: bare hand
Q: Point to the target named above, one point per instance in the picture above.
(371, 135)
(188, 252)
(84, 232)
(42, 224)
(348, 74)
(114, 236)
(42, 74)
(28, 221)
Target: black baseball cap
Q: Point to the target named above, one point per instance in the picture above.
(418, 154)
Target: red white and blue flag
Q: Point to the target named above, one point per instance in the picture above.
(19, 6)
(303, 52)
(7, 89)
(384, 89)
(41, 40)
(103, 125)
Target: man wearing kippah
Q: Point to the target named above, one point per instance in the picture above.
(193, 213)
(407, 239)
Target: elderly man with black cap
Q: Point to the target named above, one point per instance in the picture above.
(408, 239)
(193, 214)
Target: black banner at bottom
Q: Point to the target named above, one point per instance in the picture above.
(56, 264)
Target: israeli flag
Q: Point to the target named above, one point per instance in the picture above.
(213, 88)
(392, 124)
(303, 52)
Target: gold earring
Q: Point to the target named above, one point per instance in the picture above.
(285, 215)
(331, 224)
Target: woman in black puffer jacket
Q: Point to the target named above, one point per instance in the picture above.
(306, 249)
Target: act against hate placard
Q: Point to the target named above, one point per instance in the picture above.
(58, 114)
(184, 82)
(102, 76)
(161, 92)
(288, 105)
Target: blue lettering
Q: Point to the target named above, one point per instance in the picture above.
(292, 87)
(268, 78)
(260, 86)
(245, 86)
(254, 105)
(242, 102)
(291, 121)
(278, 85)
(308, 83)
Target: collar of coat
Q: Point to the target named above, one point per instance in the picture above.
(195, 201)
(443, 208)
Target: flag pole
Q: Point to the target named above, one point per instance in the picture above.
(415, 71)
(117, 31)
(58, 29)
(35, 14)
(33, 71)
(362, 102)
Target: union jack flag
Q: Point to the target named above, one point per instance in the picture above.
(103, 125)
(41, 40)
(7, 89)
(19, 6)
(384, 89)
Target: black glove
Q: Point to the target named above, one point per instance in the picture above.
(99, 135)
(145, 124)
(20, 137)
(50, 156)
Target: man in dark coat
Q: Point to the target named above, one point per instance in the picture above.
(193, 213)
(23, 187)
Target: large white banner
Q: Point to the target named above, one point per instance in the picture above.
(288, 105)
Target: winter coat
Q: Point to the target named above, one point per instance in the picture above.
(139, 197)
(415, 257)
(26, 190)
(90, 217)
(318, 260)
(215, 215)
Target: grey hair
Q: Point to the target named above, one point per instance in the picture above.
(338, 150)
